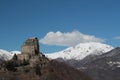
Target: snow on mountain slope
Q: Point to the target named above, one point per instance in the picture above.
(15, 52)
(5, 55)
(80, 51)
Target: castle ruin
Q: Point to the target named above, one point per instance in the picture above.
(30, 53)
(29, 48)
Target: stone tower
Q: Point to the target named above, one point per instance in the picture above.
(29, 48)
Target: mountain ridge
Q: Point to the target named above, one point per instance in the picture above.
(107, 66)
(5, 55)
(80, 51)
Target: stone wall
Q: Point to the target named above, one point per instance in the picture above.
(29, 48)
(23, 57)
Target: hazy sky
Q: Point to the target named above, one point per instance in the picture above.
(59, 23)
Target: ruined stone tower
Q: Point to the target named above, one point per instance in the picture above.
(30, 53)
(29, 48)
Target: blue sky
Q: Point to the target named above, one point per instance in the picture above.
(21, 19)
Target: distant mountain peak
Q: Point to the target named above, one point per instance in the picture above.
(5, 55)
(81, 50)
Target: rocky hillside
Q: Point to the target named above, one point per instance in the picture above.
(103, 67)
(52, 70)
(99, 67)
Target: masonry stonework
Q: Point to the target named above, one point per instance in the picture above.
(30, 48)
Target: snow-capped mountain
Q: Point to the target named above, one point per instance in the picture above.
(5, 55)
(103, 67)
(80, 51)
